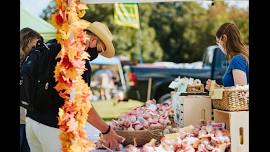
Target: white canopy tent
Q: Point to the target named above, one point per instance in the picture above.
(36, 23)
(101, 60)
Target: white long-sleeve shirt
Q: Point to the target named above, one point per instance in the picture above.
(22, 115)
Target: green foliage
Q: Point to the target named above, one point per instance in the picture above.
(174, 31)
(46, 13)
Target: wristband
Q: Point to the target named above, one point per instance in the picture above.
(107, 131)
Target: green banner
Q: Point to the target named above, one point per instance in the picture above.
(127, 15)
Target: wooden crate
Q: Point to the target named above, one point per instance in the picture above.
(238, 125)
(191, 109)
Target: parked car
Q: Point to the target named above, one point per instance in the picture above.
(139, 77)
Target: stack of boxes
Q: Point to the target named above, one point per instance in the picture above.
(191, 109)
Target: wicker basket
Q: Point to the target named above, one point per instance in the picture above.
(141, 137)
(195, 88)
(232, 100)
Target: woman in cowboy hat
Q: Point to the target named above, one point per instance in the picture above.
(41, 127)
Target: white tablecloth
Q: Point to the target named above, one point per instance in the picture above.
(92, 132)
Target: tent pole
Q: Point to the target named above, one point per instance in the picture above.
(140, 36)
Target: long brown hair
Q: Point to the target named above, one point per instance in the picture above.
(235, 44)
(26, 35)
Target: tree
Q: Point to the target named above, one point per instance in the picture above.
(128, 40)
(47, 12)
(180, 28)
(186, 29)
(241, 18)
(173, 31)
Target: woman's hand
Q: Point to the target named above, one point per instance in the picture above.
(112, 140)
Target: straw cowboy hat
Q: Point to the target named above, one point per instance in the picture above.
(104, 34)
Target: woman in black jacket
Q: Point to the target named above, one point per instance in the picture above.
(28, 40)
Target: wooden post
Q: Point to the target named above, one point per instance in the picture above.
(149, 88)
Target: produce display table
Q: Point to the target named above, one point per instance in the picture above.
(190, 108)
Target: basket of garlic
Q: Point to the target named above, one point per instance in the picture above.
(140, 137)
(143, 123)
(232, 98)
(201, 138)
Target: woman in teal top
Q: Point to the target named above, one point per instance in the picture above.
(229, 41)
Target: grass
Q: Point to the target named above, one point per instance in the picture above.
(111, 109)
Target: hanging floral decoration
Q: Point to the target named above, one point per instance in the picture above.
(68, 75)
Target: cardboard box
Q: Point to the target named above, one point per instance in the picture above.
(238, 125)
(191, 109)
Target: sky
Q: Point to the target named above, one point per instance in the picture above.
(36, 6)
(238, 3)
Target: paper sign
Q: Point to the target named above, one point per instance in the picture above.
(173, 85)
(212, 87)
(182, 87)
(218, 125)
(217, 94)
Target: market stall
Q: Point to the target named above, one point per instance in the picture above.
(184, 125)
(27, 19)
(193, 121)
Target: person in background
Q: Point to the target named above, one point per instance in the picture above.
(105, 87)
(229, 40)
(28, 40)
